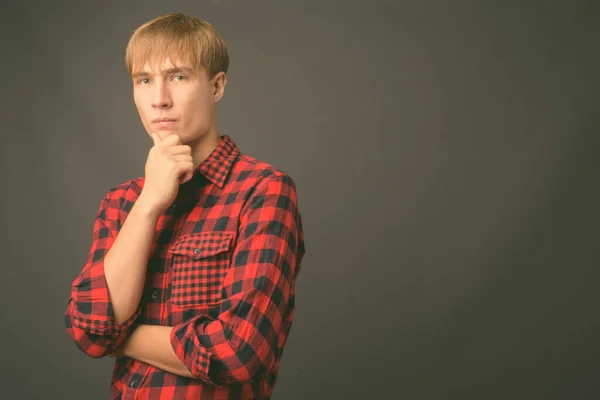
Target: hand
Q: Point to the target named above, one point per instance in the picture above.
(169, 164)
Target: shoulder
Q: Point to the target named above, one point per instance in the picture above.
(123, 196)
(254, 173)
(265, 186)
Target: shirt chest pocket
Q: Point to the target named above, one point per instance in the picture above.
(200, 262)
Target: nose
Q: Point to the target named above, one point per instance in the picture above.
(162, 97)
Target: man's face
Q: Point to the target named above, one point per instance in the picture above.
(182, 95)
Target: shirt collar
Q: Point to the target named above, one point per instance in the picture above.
(217, 165)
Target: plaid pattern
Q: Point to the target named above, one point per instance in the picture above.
(200, 263)
(221, 272)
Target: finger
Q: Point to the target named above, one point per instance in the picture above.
(171, 140)
(184, 167)
(186, 177)
(182, 149)
(155, 138)
(175, 139)
(183, 158)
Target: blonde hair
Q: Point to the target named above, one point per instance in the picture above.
(180, 38)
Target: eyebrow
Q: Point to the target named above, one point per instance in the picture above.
(164, 72)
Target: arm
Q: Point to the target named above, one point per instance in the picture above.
(151, 344)
(241, 344)
(105, 297)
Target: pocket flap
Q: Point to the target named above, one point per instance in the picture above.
(202, 244)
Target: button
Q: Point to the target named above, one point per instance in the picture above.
(155, 294)
(196, 251)
(134, 383)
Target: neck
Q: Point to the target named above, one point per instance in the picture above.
(204, 145)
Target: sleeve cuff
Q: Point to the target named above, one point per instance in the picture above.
(187, 347)
(106, 327)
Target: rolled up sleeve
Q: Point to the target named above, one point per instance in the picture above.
(89, 316)
(242, 344)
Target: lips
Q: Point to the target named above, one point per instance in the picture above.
(164, 123)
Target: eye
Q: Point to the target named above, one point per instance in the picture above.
(142, 81)
(176, 77)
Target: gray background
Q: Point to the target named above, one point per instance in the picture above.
(446, 158)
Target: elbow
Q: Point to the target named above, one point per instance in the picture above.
(251, 373)
(254, 366)
(258, 369)
(93, 345)
(94, 351)
(239, 376)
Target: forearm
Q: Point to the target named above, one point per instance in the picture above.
(150, 344)
(125, 263)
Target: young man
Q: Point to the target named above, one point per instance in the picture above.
(190, 279)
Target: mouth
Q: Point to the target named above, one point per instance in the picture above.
(164, 122)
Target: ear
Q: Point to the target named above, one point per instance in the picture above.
(219, 83)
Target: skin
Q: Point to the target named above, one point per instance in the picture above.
(189, 97)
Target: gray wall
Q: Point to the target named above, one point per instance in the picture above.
(446, 157)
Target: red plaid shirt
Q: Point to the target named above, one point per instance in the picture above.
(221, 272)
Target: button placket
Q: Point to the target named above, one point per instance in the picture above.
(136, 381)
